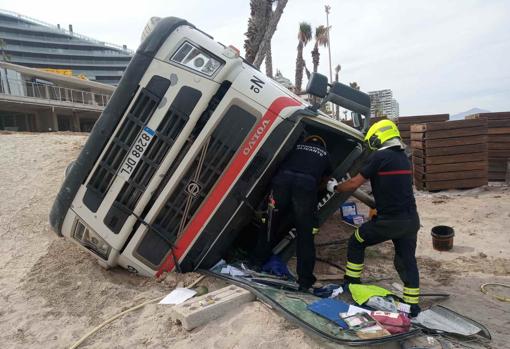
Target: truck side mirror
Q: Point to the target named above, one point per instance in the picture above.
(357, 120)
(349, 98)
(317, 85)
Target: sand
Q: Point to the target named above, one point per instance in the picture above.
(52, 293)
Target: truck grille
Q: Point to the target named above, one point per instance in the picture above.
(165, 136)
(205, 170)
(137, 118)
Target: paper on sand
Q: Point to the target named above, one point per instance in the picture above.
(178, 296)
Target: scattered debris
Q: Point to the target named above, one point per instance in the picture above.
(178, 296)
(201, 310)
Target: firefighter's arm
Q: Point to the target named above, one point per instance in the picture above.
(349, 185)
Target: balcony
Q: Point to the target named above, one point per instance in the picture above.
(28, 92)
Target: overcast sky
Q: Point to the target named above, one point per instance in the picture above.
(437, 56)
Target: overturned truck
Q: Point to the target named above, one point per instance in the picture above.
(183, 153)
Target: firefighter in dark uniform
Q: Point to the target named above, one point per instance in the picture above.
(294, 191)
(390, 174)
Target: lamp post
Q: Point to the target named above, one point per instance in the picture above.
(328, 8)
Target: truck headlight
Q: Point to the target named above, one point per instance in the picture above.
(91, 240)
(197, 59)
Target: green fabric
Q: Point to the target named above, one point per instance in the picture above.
(362, 293)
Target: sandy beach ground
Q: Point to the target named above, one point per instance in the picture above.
(52, 293)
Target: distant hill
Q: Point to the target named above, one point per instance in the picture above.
(461, 116)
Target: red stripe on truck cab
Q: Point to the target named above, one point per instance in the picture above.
(224, 184)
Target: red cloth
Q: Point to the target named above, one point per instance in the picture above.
(395, 323)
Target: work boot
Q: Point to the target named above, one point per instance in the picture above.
(253, 266)
(415, 310)
(305, 289)
(325, 291)
(350, 280)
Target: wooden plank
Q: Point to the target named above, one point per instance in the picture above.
(419, 152)
(417, 119)
(497, 153)
(417, 160)
(499, 146)
(462, 166)
(418, 184)
(497, 177)
(497, 165)
(494, 116)
(507, 176)
(452, 159)
(418, 169)
(499, 171)
(456, 184)
(498, 123)
(462, 132)
(499, 156)
(448, 125)
(417, 145)
(454, 141)
(405, 134)
(499, 131)
(499, 138)
(461, 149)
(417, 136)
(454, 175)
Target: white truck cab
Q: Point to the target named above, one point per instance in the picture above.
(185, 150)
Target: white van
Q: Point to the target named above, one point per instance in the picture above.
(184, 151)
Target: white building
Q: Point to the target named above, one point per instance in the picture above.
(382, 103)
(395, 107)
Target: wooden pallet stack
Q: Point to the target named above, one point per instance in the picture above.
(404, 123)
(450, 155)
(498, 143)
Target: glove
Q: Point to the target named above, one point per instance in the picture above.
(332, 183)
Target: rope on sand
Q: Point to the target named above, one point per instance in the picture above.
(498, 297)
(113, 318)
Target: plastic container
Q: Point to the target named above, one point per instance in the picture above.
(384, 304)
(442, 237)
(348, 209)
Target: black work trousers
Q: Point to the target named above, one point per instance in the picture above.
(402, 231)
(294, 195)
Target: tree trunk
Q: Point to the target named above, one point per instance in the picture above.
(299, 67)
(260, 12)
(271, 28)
(306, 70)
(315, 57)
(269, 62)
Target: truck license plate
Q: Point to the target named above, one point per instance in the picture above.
(136, 152)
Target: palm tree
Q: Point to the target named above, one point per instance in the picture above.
(304, 36)
(270, 29)
(261, 27)
(269, 62)
(354, 85)
(256, 28)
(321, 39)
(337, 70)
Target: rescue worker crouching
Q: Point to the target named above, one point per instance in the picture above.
(294, 191)
(390, 174)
